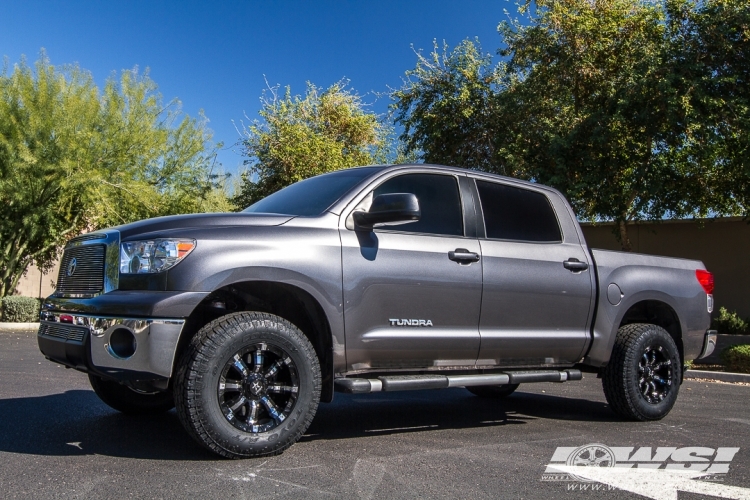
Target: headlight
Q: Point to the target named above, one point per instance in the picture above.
(152, 256)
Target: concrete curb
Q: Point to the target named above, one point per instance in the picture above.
(19, 327)
(720, 376)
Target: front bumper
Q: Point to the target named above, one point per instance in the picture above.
(125, 349)
(77, 332)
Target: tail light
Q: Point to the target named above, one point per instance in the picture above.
(706, 280)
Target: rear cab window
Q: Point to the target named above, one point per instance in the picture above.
(517, 214)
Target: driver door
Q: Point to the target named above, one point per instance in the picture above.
(407, 304)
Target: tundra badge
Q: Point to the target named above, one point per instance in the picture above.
(410, 322)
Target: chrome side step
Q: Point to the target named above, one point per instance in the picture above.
(419, 382)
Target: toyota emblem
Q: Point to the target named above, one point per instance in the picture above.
(72, 267)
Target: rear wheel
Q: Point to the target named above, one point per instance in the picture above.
(493, 391)
(248, 385)
(642, 378)
(130, 401)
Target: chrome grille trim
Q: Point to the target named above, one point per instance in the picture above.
(88, 278)
(86, 237)
(98, 271)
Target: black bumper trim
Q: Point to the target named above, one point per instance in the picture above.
(66, 352)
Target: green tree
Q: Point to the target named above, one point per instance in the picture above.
(448, 108)
(590, 93)
(73, 157)
(711, 46)
(302, 136)
(618, 103)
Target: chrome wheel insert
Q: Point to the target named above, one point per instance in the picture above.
(654, 374)
(258, 388)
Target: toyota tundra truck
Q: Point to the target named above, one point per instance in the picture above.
(369, 279)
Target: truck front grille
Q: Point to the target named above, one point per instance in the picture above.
(87, 237)
(81, 271)
(63, 332)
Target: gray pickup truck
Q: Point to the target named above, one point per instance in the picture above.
(378, 278)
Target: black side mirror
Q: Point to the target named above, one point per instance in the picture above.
(385, 208)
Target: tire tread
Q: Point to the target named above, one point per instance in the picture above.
(208, 339)
(620, 368)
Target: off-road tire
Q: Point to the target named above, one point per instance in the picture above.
(202, 366)
(129, 401)
(493, 391)
(622, 382)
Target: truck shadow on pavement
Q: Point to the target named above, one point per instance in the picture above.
(78, 423)
(353, 416)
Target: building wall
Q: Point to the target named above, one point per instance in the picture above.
(36, 284)
(722, 244)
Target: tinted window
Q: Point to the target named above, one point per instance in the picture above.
(511, 213)
(438, 198)
(311, 196)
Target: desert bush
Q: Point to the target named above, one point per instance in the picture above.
(17, 309)
(730, 323)
(736, 358)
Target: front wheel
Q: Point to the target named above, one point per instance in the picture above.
(642, 378)
(130, 401)
(248, 385)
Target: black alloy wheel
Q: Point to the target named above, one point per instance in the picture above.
(248, 385)
(642, 379)
(258, 388)
(655, 374)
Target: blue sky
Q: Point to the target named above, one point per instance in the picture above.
(214, 55)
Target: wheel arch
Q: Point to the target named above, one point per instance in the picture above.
(288, 301)
(659, 313)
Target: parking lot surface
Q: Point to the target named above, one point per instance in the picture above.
(57, 440)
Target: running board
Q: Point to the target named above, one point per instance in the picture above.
(418, 382)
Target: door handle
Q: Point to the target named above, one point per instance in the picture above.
(575, 265)
(463, 255)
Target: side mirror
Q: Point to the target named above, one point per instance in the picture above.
(389, 208)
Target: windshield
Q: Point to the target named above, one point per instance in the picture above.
(311, 196)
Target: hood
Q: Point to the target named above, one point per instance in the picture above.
(187, 221)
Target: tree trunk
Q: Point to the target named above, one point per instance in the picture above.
(624, 239)
(10, 278)
(13, 267)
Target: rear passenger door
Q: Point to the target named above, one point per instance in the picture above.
(536, 300)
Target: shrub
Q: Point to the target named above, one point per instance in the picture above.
(730, 323)
(737, 358)
(17, 309)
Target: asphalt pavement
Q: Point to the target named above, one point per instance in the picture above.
(57, 440)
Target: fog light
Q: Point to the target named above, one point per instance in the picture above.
(121, 343)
